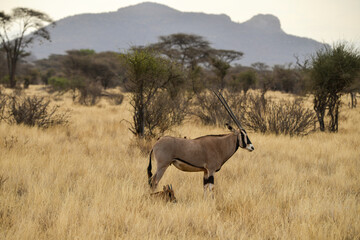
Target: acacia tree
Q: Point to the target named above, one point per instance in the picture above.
(3, 70)
(14, 30)
(189, 50)
(264, 78)
(152, 81)
(333, 70)
(287, 79)
(353, 89)
(220, 61)
(247, 79)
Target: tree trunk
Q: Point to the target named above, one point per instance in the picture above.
(141, 124)
(139, 116)
(353, 100)
(319, 107)
(320, 117)
(12, 80)
(334, 103)
(12, 70)
(222, 82)
(337, 116)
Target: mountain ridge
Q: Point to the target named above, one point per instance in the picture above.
(261, 38)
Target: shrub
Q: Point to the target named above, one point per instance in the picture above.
(5, 80)
(116, 98)
(90, 93)
(33, 111)
(164, 112)
(257, 113)
(291, 118)
(210, 111)
(84, 91)
(244, 81)
(287, 117)
(3, 102)
(156, 97)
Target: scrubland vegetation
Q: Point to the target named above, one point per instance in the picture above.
(87, 180)
(74, 151)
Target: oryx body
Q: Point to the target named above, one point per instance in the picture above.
(204, 154)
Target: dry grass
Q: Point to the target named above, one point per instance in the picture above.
(87, 181)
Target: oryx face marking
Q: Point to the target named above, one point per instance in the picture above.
(245, 141)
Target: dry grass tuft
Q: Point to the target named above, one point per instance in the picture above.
(88, 181)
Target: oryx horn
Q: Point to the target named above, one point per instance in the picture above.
(228, 109)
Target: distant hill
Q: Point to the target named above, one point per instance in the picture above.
(261, 38)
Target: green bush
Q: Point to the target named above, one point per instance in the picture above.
(5, 80)
(59, 83)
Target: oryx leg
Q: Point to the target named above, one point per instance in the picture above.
(209, 183)
(157, 176)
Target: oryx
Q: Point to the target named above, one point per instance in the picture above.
(204, 154)
(166, 194)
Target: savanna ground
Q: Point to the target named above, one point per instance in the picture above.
(87, 180)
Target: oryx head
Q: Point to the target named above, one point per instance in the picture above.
(243, 139)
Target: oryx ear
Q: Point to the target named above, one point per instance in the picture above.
(229, 127)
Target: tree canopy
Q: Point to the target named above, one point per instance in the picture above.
(333, 70)
(17, 31)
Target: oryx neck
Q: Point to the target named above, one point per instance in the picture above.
(233, 144)
(230, 149)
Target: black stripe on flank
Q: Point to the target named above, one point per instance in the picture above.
(187, 163)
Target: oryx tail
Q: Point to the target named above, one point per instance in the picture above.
(149, 167)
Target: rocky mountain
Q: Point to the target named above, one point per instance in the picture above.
(261, 38)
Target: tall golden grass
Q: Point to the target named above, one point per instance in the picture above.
(88, 181)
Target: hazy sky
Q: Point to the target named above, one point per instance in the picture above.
(323, 20)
